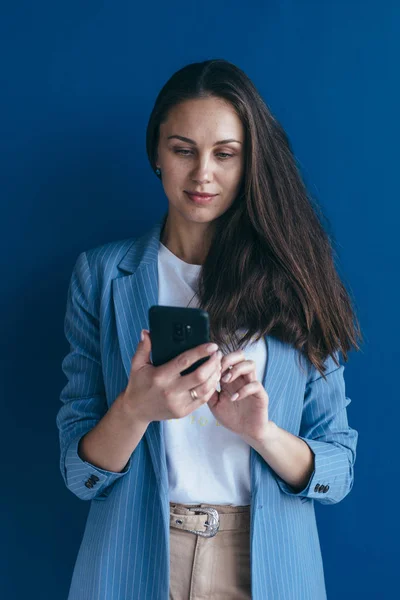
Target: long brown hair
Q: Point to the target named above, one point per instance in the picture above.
(270, 267)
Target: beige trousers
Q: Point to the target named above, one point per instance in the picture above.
(215, 567)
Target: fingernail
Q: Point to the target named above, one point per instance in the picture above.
(212, 348)
(142, 335)
(234, 397)
(227, 377)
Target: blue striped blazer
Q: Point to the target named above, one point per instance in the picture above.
(124, 552)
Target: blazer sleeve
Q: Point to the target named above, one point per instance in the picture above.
(324, 427)
(83, 397)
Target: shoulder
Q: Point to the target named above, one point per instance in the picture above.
(101, 263)
(333, 362)
(289, 357)
(105, 257)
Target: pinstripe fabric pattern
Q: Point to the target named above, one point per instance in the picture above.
(124, 553)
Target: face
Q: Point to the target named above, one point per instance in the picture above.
(200, 162)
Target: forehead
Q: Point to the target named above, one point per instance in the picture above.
(203, 118)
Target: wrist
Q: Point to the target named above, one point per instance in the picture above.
(128, 412)
(270, 435)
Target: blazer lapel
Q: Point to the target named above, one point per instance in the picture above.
(133, 295)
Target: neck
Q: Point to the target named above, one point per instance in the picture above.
(188, 241)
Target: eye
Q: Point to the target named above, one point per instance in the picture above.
(182, 151)
(185, 152)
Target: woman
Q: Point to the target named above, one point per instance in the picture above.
(147, 446)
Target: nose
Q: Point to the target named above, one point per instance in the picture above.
(201, 172)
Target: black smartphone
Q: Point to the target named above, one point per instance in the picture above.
(174, 330)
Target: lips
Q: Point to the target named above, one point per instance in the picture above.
(200, 199)
(201, 194)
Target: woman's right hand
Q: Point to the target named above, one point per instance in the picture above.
(160, 393)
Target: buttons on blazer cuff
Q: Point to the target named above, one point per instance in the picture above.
(322, 489)
(93, 479)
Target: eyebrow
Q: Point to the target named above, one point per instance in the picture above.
(189, 141)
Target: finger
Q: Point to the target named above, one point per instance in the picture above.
(205, 390)
(250, 389)
(200, 376)
(246, 367)
(232, 359)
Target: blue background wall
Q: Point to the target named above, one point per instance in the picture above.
(77, 84)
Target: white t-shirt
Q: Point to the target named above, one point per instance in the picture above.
(207, 463)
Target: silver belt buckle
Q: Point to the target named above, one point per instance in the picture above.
(212, 523)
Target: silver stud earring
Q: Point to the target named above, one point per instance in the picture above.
(158, 171)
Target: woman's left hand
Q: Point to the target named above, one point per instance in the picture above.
(248, 415)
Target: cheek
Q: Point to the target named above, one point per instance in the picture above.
(173, 180)
(233, 177)
(174, 170)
